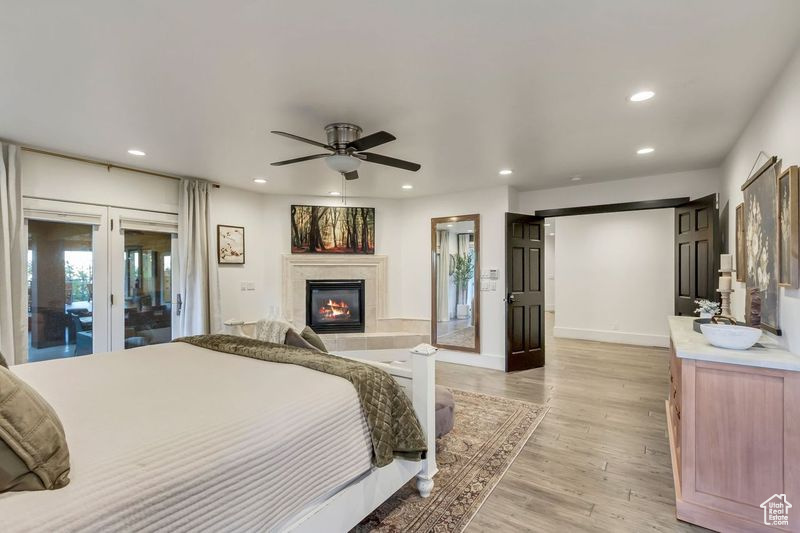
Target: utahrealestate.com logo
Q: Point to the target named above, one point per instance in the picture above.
(776, 510)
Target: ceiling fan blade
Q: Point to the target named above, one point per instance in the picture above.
(351, 175)
(389, 161)
(298, 160)
(371, 141)
(303, 139)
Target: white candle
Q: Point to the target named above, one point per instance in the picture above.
(725, 283)
(726, 262)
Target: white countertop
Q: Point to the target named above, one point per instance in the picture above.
(766, 353)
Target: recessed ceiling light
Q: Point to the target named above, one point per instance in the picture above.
(134, 151)
(576, 178)
(645, 151)
(407, 187)
(547, 225)
(506, 172)
(641, 96)
(335, 193)
(259, 180)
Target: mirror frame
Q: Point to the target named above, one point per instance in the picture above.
(476, 219)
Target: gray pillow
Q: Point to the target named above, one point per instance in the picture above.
(294, 339)
(3, 361)
(311, 336)
(33, 447)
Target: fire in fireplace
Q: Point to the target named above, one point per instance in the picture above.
(335, 306)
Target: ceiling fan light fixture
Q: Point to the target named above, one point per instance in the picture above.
(342, 163)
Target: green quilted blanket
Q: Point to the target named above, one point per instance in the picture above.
(393, 426)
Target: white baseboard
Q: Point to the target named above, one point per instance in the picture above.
(620, 337)
(495, 362)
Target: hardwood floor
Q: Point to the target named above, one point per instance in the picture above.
(599, 461)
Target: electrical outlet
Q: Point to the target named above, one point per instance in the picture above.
(243, 286)
(251, 285)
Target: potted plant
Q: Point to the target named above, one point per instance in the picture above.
(706, 308)
(463, 272)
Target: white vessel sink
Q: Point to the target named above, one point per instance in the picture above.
(731, 337)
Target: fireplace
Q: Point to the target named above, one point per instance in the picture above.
(335, 306)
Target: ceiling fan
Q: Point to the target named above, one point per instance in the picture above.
(346, 147)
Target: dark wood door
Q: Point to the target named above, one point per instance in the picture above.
(696, 253)
(524, 292)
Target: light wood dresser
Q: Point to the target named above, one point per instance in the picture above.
(734, 429)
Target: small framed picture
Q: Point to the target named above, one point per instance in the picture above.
(788, 229)
(230, 245)
(741, 252)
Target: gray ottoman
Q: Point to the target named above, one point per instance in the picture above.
(445, 407)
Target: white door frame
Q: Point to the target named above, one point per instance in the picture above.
(121, 219)
(97, 217)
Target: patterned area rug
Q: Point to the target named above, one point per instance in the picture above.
(487, 436)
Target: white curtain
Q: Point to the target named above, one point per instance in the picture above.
(13, 313)
(198, 284)
(463, 243)
(443, 276)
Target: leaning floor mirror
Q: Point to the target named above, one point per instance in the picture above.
(455, 296)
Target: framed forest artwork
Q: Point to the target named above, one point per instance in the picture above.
(788, 229)
(741, 252)
(761, 248)
(230, 245)
(333, 230)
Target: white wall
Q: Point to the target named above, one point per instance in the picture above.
(614, 277)
(549, 270)
(415, 256)
(236, 207)
(775, 129)
(693, 183)
(273, 237)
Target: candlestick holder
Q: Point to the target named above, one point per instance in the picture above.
(725, 294)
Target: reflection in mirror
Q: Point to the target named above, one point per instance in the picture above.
(455, 298)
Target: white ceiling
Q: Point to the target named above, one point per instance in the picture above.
(467, 86)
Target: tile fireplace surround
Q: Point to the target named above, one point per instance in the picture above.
(380, 331)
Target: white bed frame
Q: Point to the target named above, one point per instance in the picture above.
(347, 507)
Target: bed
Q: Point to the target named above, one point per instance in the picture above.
(179, 437)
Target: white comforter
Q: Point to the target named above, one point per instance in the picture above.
(177, 437)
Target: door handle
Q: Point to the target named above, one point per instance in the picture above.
(509, 298)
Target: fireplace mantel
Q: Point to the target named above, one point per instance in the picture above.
(298, 268)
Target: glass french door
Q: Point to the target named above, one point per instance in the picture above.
(67, 279)
(143, 245)
(99, 278)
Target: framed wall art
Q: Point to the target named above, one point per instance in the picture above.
(761, 248)
(788, 229)
(741, 252)
(332, 230)
(230, 245)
